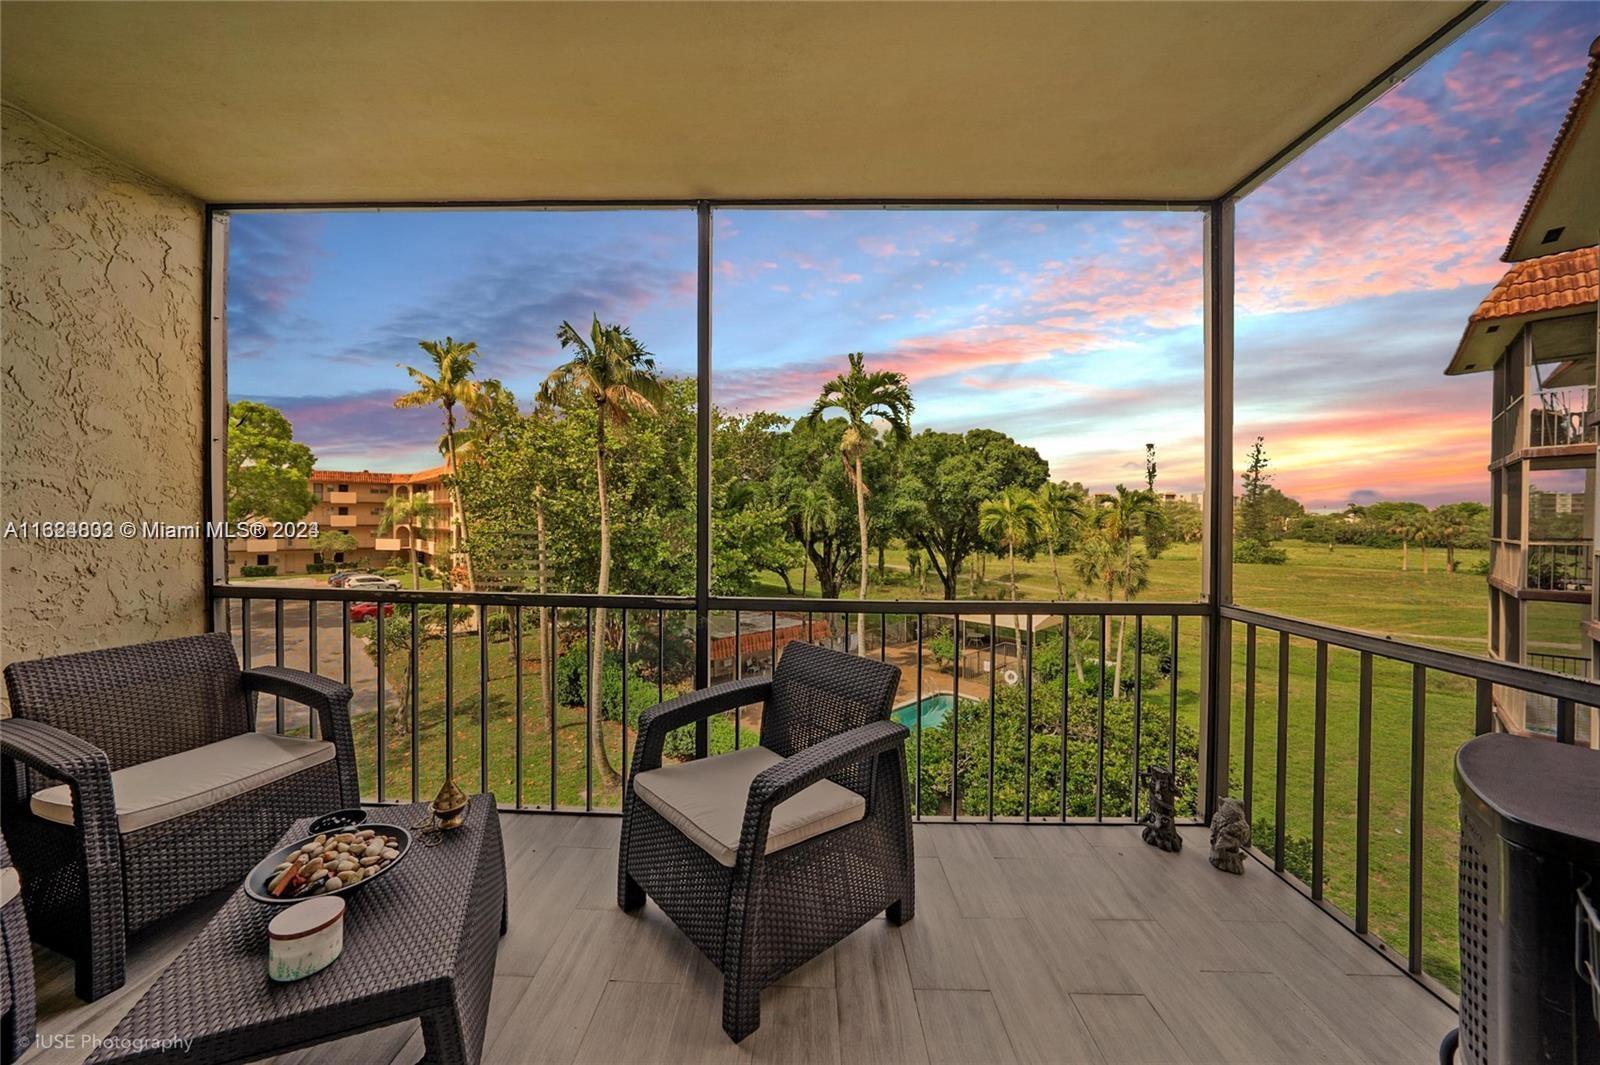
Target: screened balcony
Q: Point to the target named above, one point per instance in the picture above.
(1046, 931)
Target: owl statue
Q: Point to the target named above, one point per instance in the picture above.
(1230, 837)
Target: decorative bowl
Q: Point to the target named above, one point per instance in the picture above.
(256, 881)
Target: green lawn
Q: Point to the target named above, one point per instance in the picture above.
(1356, 587)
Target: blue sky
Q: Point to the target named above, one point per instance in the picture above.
(1078, 333)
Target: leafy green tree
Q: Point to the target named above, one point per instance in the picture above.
(269, 474)
(945, 479)
(1281, 513)
(1012, 519)
(1184, 522)
(748, 531)
(613, 374)
(329, 542)
(816, 511)
(863, 398)
(416, 514)
(808, 459)
(449, 385)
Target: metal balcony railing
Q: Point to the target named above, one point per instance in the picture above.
(433, 696)
(1560, 566)
(1556, 418)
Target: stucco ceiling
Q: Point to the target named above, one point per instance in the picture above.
(289, 102)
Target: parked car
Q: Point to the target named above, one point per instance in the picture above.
(369, 611)
(371, 580)
(336, 580)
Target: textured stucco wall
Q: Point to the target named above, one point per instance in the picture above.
(101, 398)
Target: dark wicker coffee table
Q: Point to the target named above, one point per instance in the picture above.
(419, 942)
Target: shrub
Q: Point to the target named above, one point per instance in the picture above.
(942, 649)
(572, 674)
(320, 567)
(1297, 852)
(498, 626)
(1480, 567)
(1010, 727)
(1157, 646)
(680, 741)
(1258, 553)
(258, 571)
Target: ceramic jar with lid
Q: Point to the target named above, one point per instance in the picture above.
(305, 938)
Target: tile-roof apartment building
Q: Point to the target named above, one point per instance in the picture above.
(1536, 332)
(353, 501)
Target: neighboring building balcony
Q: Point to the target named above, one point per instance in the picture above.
(341, 499)
(1570, 665)
(1560, 570)
(387, 543)
(344, 521)
(257, 547)
(1546, 424)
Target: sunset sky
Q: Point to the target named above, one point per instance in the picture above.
(1075, 332)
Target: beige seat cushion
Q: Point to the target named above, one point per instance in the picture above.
(10, 884)
(705, 800)
(159, 790)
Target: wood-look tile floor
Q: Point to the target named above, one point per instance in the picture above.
(1030, 944)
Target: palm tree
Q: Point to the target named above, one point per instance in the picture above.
(415, 512)
(817, 511)
(1427, 528)
(1013, 519)
(1133, 577)
(861, 397)
(1060, 510)
(1096, 564)
(450, 385)
(1129, 512)
(1404, 525)
(612, 374)
(1450, 527)
(1121, 519)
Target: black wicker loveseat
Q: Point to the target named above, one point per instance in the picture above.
(18, 1002)
(135, 783)
(767, 856)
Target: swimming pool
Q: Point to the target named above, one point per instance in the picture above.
(935, 708)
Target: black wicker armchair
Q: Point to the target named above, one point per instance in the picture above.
(17, 996)
(135, 783)
(767, 856)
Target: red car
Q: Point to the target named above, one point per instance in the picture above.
(368, 611)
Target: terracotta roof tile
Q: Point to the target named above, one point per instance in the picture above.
(1551, 283)
(369, 477)
(1580, 100)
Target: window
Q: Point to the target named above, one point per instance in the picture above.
(322, 305)
(1036, 347)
